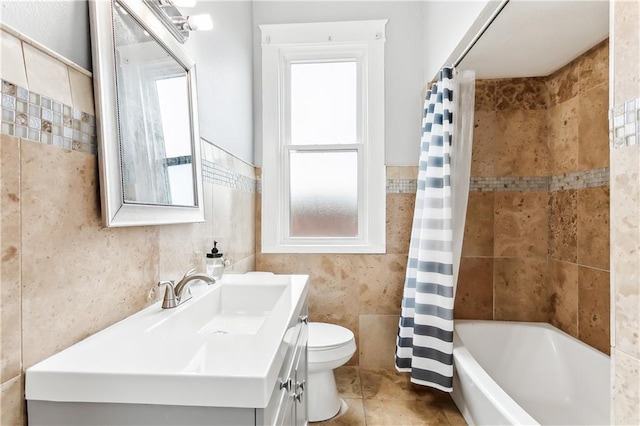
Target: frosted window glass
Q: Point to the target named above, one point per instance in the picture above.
(324, 103)
(324, 194)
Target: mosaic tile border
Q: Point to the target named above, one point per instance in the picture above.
(576, 180)
(624, 124)
(402, 186)
(218, 175)
(587, 179)
(533, 183)
(29, 115)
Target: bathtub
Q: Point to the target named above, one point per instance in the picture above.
(519, 373)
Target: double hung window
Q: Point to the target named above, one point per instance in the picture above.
(323, 178)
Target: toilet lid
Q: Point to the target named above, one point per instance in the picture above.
(324, 336)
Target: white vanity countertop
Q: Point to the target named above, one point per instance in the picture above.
(222, 348)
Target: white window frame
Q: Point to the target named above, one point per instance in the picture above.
(282, 45)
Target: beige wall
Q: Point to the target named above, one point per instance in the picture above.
(625, 211)
(362, 292)
(579, 217)
(65, 276)
(536, 244)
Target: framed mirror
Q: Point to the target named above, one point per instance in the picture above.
(147, 119)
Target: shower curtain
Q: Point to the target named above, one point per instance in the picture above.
(425, 332)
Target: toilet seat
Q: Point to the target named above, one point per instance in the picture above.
(323, 336)
(330, 343)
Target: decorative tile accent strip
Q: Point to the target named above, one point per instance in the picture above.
(483, 184)
(575, 180)
(624, 124)
(587, 179)
(218, 175)
(402, 186)
(31, 116)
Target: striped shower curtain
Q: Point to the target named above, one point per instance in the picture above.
(425, 332)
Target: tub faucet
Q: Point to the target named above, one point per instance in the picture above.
(176, 294)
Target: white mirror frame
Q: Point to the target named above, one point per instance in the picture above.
(115, 212)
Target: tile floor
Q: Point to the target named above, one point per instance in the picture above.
(384, 397)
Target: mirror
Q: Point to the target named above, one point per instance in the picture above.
(149, 145)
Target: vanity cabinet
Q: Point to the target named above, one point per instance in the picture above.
(289, 403)
(287, 406)
(69, 388)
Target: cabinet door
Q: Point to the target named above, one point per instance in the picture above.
(301, 400)
(288, 414)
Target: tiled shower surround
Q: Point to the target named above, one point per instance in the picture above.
(536, 243)
(65, 276)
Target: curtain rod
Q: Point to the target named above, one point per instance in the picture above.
(484, 28)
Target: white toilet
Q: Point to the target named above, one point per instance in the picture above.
(330, 346)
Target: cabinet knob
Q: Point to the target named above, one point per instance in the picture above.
(286, 384)
(301, 385)
(298, 396)
(304, 319)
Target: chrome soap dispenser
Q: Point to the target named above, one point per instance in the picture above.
(215, 262)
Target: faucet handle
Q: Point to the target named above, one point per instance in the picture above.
(169, 300)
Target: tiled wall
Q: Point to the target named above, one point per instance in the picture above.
(65, 276)
(536, 243)
(579, 204)
(625, 211)
(503, 270)
(362, 292)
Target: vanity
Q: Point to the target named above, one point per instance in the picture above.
(235, 354)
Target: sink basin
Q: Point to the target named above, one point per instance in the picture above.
(222, 348)
(228, 308)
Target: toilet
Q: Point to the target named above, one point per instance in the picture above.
(330, 346)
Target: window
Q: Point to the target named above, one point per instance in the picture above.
(323, 177)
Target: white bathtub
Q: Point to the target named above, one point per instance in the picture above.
(519, 373)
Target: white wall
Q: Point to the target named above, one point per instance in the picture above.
(62, 26)
(223, 58)
(403, 63)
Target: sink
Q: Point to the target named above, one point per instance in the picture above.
(229, 308)
(243, 309)
(222, 348)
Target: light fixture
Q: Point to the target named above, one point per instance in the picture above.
(177, 24)
(194, 23)
(178, 3)
(184, 3)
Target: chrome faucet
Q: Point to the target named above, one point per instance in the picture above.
(176, 294)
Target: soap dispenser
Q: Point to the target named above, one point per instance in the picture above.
(215, 262)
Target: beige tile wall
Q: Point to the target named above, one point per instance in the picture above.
(503, 272)
(63, 275)
(625, 219)
(358, 291)
(541, 255)
(579, 218)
